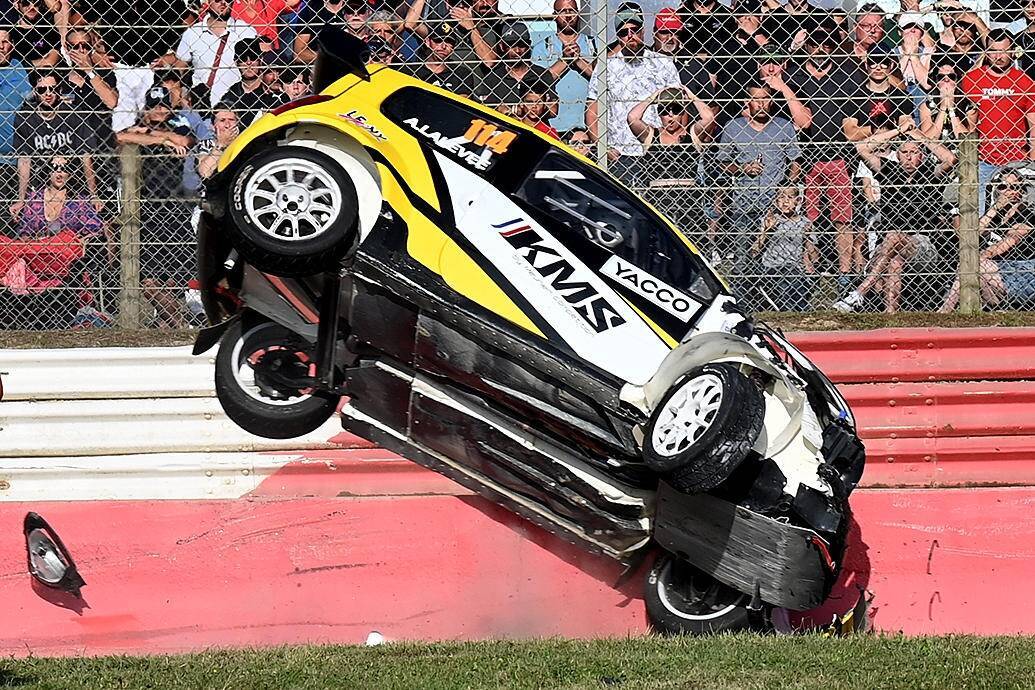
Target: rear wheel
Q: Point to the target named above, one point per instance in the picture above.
(682, 600)
(294, 211)
(260, 370)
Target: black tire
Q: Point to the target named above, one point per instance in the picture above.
(721, 446)
(682, 600)
(276, 418)
(262, 249)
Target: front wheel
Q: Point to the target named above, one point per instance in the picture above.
(294, 211)
(682, 600)
(255, 367)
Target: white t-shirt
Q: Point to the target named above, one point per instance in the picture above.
(133, 83)
(629, 81)
(198, 47)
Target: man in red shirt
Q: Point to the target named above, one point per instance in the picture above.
(1005, 112)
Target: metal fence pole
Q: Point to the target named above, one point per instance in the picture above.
(969, 232)
(599, 15)
(130, 298)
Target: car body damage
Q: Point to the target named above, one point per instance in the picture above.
(498, 309)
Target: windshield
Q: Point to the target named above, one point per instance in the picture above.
(582, 206)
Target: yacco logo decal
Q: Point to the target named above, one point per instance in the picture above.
(560, 275)
(654, 290)
(460, 147)
(360, 120)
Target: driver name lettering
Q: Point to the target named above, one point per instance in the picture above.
(581, 295)
(654, 290)
(457, 146)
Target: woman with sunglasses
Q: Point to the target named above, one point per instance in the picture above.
(671, 152)
(944, 114)
(1007, 263)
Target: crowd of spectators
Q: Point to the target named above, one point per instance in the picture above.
(812, 140)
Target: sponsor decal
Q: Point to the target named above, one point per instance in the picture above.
(654, 290)
(474, 148)
(571, 282)
(360, 120)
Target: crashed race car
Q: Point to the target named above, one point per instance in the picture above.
(494, 307)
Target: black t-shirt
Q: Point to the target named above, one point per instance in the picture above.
(880, 111)
(161, 170)
(499, 87)
(736, 69)
(693, 74)
(828, 98)
(315, 15)
(250, 105)
(39, 138)
(85, 101)
(460, 79)
(909, 203)
(782, 26)
(136, 31)
(705, 33)
(33, 42)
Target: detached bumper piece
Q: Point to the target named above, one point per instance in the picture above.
(780, 564)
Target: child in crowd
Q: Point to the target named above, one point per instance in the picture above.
(538, 105)
(786, 249)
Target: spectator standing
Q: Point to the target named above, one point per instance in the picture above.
(350, 15)
(90, 89)
(137, 31)
(568, 53)
(667, 41)
(761, 153)
(264, 17)
(14, 89)
(772, 64)
(387, 27)
(910, 209)
(869, 30)
(789, 24)
(504, 84)
(438, 65)
(1005, 112)
(579, 140)
(787, 252)
(250, 97)
(208, 48)
(965, 43)
(633, 74)
(705, 30)
(34, 36)
(672, 151)
(916, 51)
(827, 86)
(538, 104)
(166, 236)
(47, 128)
(738, 63)
(880, 105)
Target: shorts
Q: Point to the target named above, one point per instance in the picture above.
(926, 254)
(831, 178)
(1018, 278)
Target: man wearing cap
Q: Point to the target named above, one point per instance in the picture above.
(502, 86)
(668, 32)
(633, 74)
(208, 48)
(739, 52)
(476, 27)
(704, 30)
(437, 65)
(568, 54)
(772, 64)
(250, 97)
(385, 41)
(789, 24)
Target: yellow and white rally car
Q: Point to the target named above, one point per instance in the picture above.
(496, 308)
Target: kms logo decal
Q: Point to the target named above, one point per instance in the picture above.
(558, 272)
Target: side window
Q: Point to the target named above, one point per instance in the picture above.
(582, 205)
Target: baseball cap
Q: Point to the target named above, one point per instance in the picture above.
(443, 31)
(248, 49)
(628, 13)
(913, 19)
(671, 97)
(158, 96)
(880, 51)
(378, 47)
(667, 20)
(515, 33)
(771, 52)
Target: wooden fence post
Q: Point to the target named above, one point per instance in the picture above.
(130, 297)
(969, 232)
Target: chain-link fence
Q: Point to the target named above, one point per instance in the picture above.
(822, 156)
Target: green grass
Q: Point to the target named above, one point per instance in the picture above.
(724, 663)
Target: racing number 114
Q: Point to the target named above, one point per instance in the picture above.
(482, 133)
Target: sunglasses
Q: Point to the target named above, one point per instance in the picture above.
(628, 31)
(664, 32)
(46, 89)
(58, 168)
(81, 45)
(671, 110)
(950, 75)
(886, 64)
(1013, 188)
(357, 9)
